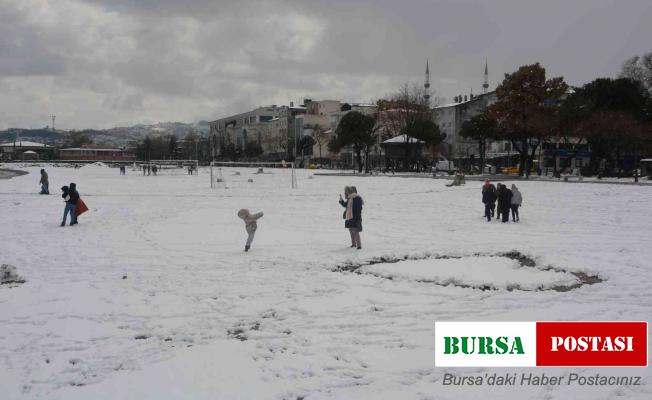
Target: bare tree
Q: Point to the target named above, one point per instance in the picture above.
(407, 112)
(321, 137)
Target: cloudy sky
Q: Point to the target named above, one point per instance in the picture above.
(106, 63)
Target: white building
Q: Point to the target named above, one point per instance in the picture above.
(450, 118)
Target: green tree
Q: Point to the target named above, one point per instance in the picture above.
(480, 128)
(171, 146)
(639, 69)
(77, 139)
(253, 149)
(356, 130)
(526, 110)
(304, 145)
(612, 115)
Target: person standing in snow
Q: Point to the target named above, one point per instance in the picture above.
(499, 201)
(517, 200)
(154, 169)
(74, 198)
(489, 199)
(70, 196)
(504, 202)
(250, 225)
(45, 184)
(353, 214)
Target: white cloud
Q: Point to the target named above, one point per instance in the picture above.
(99, 63)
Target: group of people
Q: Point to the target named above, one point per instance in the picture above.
(507, 199)
(74, 205)
(150, 169)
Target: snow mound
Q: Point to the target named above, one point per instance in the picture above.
(8, 274)
(483, 272)
(96, 164)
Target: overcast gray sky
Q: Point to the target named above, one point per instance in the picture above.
(105, 63)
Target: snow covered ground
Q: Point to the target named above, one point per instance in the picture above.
(152, 297)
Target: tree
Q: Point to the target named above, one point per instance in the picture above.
(612, 115)
(77, 139)
(253, 149)
(191, 146)
(480, 128)
(639, 69)
(230, 152)
(612, 135)
(320, 137)
(407, 112)
(357, 130)
(171, 146)
(305, 144)
(526, 110)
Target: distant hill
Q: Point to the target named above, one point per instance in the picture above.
(33, 135)
(120, 136)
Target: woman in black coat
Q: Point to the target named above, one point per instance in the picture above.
(353, 214)
(504, 202)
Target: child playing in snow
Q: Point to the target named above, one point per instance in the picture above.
(250, 225)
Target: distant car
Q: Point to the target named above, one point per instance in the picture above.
(514, 170)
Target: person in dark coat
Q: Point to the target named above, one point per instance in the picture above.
(71, 196)
(489, 199)
(353, 214)
(69, 208)
(45, 183)
(504, 202)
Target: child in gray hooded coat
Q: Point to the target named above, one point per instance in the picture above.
(250, 225)
(517, 201)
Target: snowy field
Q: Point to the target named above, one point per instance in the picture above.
(152, 297)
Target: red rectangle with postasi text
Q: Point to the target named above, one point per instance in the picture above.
(592, 344)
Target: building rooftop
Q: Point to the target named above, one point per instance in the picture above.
(90, 148)
(23, 143)
(402, 139)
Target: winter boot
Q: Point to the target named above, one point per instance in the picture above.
(247, 247)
